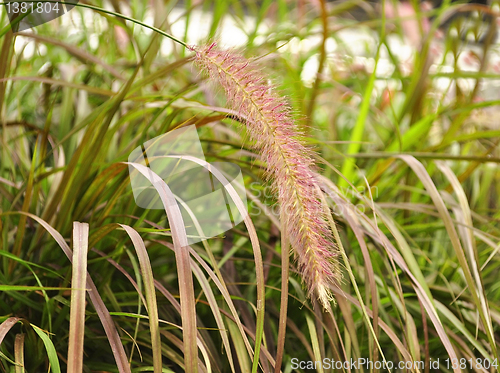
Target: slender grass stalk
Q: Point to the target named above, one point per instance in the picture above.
(289, 163)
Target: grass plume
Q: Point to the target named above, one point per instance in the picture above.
(289, 163)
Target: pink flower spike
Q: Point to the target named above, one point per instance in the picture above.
(289, 163)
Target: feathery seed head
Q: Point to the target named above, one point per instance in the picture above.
(289, 163)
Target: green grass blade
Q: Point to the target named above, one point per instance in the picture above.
(49, 347)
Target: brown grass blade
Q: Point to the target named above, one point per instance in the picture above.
(149, 287)
(386, 328)
(351, 274)
(19, 353)
(157, 285)
(6, 326)
(358, 233)
(186, 289)
(77, 310)
(222, 288)
(234, 317)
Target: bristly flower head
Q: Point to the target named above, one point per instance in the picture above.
(289, 163)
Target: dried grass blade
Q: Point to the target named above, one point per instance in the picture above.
(358, 233)
(244, 331)
(6, 326)
(158, 286)
(181, 248)
(222, 288)
(463, 329)
(149, 287)
(77, 311)
(19, 353)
